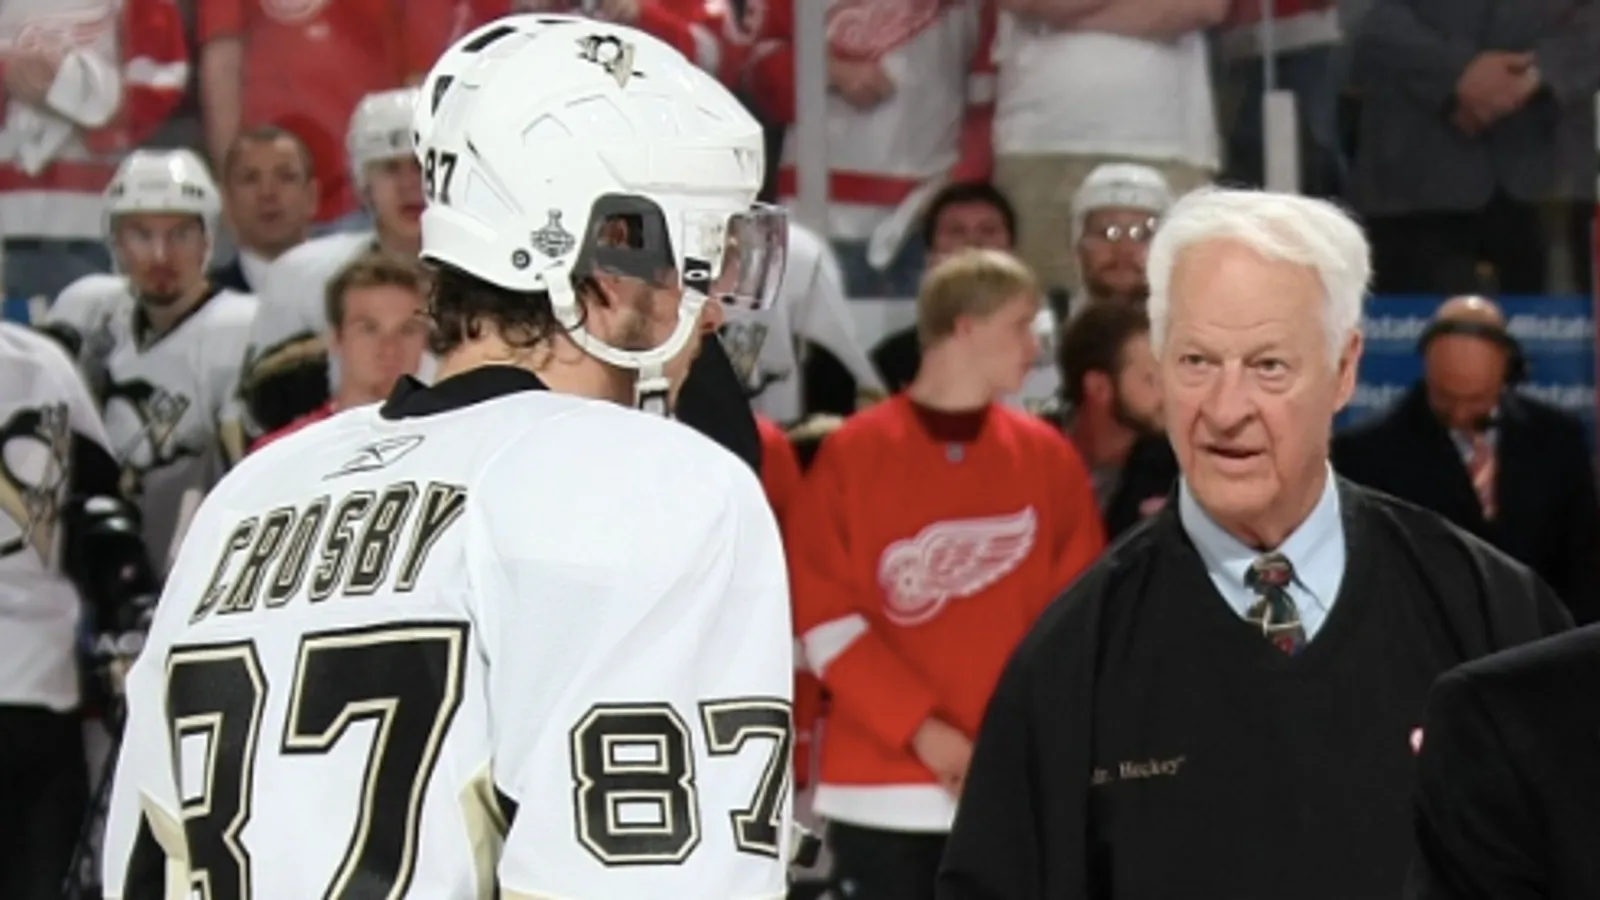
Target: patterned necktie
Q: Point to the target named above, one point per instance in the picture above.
(1275, 612)
(1483, 469)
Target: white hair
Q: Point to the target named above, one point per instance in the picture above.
(1284, 227)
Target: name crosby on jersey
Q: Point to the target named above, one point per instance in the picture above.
(360, 534)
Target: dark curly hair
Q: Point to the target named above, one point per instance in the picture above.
(463, 305)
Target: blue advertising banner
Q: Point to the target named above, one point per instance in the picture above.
(1557, 335)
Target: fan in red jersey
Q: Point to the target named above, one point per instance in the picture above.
(929, 532)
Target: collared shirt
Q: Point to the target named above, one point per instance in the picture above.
(1316, 550)
(1463, 442)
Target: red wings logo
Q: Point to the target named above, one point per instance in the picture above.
(869, 29)
(950, 560)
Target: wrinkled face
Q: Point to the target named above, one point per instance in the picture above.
(1138, 387)
(382, 337)
(965, 226)
(164, 254)
(1248, 387)
(271, 195)
(394, 188)
(1465, 376)
(1112, 253)
(1002, 345)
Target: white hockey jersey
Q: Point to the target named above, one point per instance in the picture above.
(44, 406)
(508, 637)
(811, 306)
(170, 404)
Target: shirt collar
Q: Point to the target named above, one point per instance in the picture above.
(1312, 541)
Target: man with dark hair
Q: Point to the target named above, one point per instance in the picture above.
(968, 214)
(1112, 411)
(378, 331)
(566, 619)
(963, 215)
(269, 191)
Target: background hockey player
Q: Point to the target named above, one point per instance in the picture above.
(61, 521)
(567, 619)
(287, 374)
(161, 344)
(378, 326)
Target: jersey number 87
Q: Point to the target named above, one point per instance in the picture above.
(408, 680)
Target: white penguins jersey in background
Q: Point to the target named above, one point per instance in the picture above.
(292, 325)
(169, 403)
(44, 407)
(811, 306)
(432, 654)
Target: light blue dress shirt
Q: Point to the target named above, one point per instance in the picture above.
(1316, 550)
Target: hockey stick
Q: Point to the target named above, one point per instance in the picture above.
(72, 884)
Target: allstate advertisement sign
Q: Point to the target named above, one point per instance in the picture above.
(1557, 336)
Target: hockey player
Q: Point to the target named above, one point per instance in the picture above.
(287, 373)
(61, 521)
(161, 344)
(496, 634)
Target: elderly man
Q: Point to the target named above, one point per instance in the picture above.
(1227, 703)
(1505, 466)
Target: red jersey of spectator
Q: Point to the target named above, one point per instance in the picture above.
(316, 415)
(307, 63)
(922, 546)
(780, 476)
(780, 468)
(121, 72)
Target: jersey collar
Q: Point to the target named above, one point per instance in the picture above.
(411, 398)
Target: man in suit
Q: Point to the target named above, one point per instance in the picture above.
(1474, 113)
(270, 192)
(1508, 776)
(1503, 465)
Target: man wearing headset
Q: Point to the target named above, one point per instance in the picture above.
(1511, 469)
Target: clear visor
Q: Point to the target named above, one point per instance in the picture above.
(737, 260)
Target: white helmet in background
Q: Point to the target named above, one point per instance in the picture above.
(570, 147)
(380, 129)
(164, 181)
(1120, 185)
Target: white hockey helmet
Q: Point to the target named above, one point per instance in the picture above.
(491, 40)
(164, 181)
(1120, 185)
(560, 127)
(380, 129)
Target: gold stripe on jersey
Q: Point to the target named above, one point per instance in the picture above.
(486, 828)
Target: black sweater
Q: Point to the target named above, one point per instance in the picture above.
(1146, 742)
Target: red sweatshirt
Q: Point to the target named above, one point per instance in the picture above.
(780, 476)
(918, 562)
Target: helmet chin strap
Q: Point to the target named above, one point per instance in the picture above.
(652, 388)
